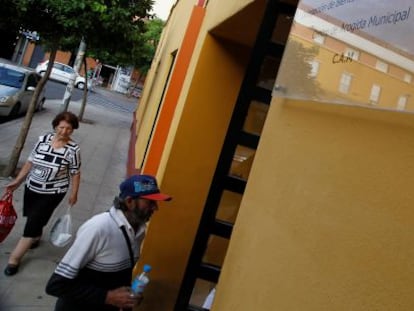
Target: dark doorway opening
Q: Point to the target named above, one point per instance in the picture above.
(8, 43)
(107, 75)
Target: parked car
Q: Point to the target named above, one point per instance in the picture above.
(62, 73)
(17, 85)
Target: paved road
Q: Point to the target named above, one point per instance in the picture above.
(100, 96)
(55, 90)
(112, 100)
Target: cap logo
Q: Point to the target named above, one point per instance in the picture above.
(140, 187)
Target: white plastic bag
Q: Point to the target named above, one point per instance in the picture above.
(61, 231)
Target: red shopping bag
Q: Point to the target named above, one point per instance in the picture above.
(8, 215)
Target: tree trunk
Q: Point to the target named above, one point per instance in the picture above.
(69, 87)
(10, 169)
(85, 91)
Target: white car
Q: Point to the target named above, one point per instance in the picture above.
(62, 73)
(17, 85)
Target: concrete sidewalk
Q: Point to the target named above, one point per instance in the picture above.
(104, 139)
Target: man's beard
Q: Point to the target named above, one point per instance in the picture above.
(140, 216)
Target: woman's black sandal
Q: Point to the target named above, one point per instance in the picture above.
(11, 269)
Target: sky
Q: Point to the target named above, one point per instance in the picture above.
(162, 8)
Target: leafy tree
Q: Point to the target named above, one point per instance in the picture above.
(151, 37)
(105, 24)
(9, 28)
(139, 47)
(139, 53)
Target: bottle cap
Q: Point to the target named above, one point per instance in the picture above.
(147, 268)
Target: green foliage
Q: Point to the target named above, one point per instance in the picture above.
(104, 24)
(138, 49)
(116, 31)
(151, 39)
(9, 27)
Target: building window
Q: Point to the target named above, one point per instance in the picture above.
(255, 118)
(345, 83)
(268, 72)
(314, 68)
(402, 102)
(408, 78)
(351, 53)
(242, 162)
(318, 38)
(381, 66)
(375, 94)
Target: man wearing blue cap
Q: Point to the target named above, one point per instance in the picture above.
(95, 273)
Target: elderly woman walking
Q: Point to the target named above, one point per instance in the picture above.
(52, 167)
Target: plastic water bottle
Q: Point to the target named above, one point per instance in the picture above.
(140, 281)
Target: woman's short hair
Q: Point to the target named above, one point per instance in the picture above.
(67, 116)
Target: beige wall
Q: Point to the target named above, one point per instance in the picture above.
(326, 222)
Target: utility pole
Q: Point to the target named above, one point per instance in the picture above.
(69, 87)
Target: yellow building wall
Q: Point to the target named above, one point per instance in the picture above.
(223, 10)
(195, 139)
(326, 222)
(191, 163)
(157, 83)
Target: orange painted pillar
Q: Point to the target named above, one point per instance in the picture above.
(172, 94)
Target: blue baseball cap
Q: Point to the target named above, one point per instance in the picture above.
(142, 186)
